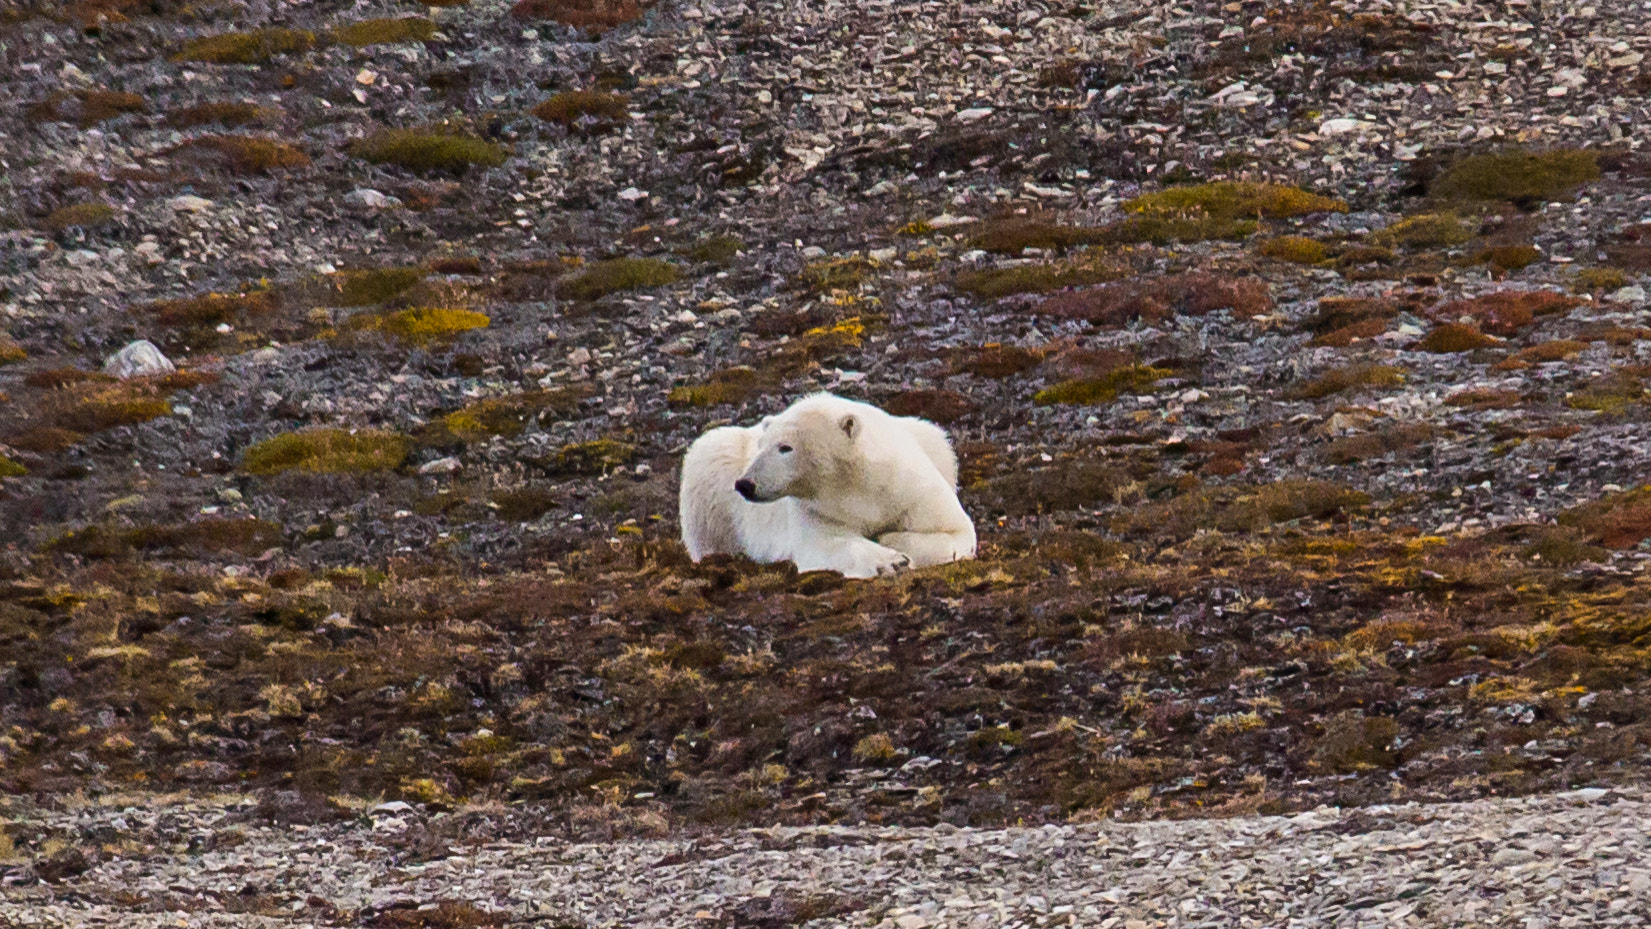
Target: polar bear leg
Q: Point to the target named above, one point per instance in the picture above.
(825, 548)
(931, 548)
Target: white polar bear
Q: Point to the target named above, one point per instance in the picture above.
(817, 483)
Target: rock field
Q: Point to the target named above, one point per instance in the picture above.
(1296, 354)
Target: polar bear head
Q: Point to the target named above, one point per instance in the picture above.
(803, 452)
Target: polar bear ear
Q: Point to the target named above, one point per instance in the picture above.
(849, 424)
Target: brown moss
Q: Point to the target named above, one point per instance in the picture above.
(617, 275)
(367, 286)
(1518, 175)
(596, 15)
(585, 108)
(11, 352)
(108, 410)
(1010, 235)
(1295, 249)
(327, 451)
(1062, 486)
(58, 378)
(1242, 509)
(1163, 230)
(839, 273)
(1234, 200)
(455, 264)
(1619, 520)
(222, 113)
(1484, 398)
(1608, 394)
(386, 31)
(425, 150)
(250, 155)
(1352, 332)
(589, 458)
(1505, 312)
(940, 406)
(509, 415)
(212, 535)
(996, 283)
(86, 107)
(1426, 230)
(255, 47)
(1448, 338)
(1339, 380)
(44, 440)
(524, 505)
(995, 361)
(728, 386)
(1508, 257)
(1353, 742)
(717, 250)
(425, 325)
(1597, 280)
(1556, 350)
(80, 216)
(1380, 443)
(1154, 299)
(209, 309)
(1134, 379)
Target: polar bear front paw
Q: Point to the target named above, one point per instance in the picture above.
(868, 559)
(894, 565)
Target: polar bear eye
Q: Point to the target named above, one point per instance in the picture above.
(785, 449)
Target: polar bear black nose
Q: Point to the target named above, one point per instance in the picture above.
(746, 488)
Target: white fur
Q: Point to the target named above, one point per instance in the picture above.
(853, 474)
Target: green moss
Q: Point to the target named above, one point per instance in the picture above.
(1426, 230)
(1235, 200)
(1448, 338)
(9, 468)
(385, 31)
(424, 325)
(995, 283)
(1609, 394)
(1518, 175)
(596, 457)
(1594, 280)
(1013, 235)
(1295, 249)
(839, 273)
(327, 451)
(255, 47)
(97, 414)
(225, 114)
(1337, 380)
(367, 286)
(619, 274)
(1166, 230)
(249, 155)
(423, 150)
(508, 416)
(717, 250)
(81, 215)
(1508, 257)
(729, 386)
(11, 352)
(575, 107)
(524, 505)
(1089, 391)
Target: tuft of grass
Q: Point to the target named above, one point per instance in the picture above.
(1229, 200)
(1449, 338)
(80, 216)
(725, 387)
(327, 450)
(367, 286)
(1425, 230)
(1104, 389)
(246, 48)
(585, 108)
(1339, 380)
(589, 458)
(996, 283)
(617, 275)
(1508, 257)
(222, 113)
(596, 15)
(425, 325)
(1518, 176)
(385, 31)
(251, 155)
(1294, 249)
(9, 468)
(1505, 312)
(717, 250)
(425, 150)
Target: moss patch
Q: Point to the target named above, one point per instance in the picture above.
(1508, 257)
(1234, 200)
(86, 107)
(424, 150)
(1506, 312)
(1340, 380)
(617, 275)
(1154, 299)
(80, 216)
(508, 416)
(246, 48)
(839, 273)
(1448, 338)
(426, 325)
(9, 468)
(223, 113)
(209, 309)
(589, 458)
(717, 250)
(1167, 230)
(367, 286)
(1426, 230)
(1608, 394)
(250, 155)
(385, 31)
(1518, 175)
(1137, 379)
(1294, 249)
(584, 108)
(1618, 521)
(596, 15)
(327, 451)
(1013, 234)
(728, 386)
(996, 283)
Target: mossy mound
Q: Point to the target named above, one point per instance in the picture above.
(596, 15)
(1506, 312)
(11, 352)
(1167, 230)
(716, 250)
(223, 113)
(1340, 380)
(424, 150)
(108, 411)
(508, 416)
(246, 48)
(327, 451)
(1104, 389)
(1234, 200)
(427, 325)
(728, 386)
(1508, 257)
(209, 309)
(996, 283)
(86, 107)
(585, 108)
(1425, 230)
(80, 216)
(1518, 176)
(1449, 338)
(1012, 235)
(589, 458)
(1294, 249)
(386, 31)
(1618, 521)
(617, 275)
(250, 155)
(367, 286)
(9, 468)
(1157, 298)
(1609, 394)
(1595, 280)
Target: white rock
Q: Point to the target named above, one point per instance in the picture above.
(884, 254)
(973, 113)
(813, 252)
(366, 198)
(631, 194)
(188, 203)
(947, 221)
(1633, 293)
(394, 806)
(440, 466)
(1343, 125)
(139, 359)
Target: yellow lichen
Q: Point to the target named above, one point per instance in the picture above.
(1425, 230)
(424, 325)
(1294, 248)
(1235, 200)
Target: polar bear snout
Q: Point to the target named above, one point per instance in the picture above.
(746, 488)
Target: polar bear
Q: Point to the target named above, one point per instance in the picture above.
(818, 483)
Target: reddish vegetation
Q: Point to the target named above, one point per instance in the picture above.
(941, 406)
(1158, 298)
(582, 14)
(1506, 312)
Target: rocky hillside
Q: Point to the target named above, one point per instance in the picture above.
(1296, 355)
